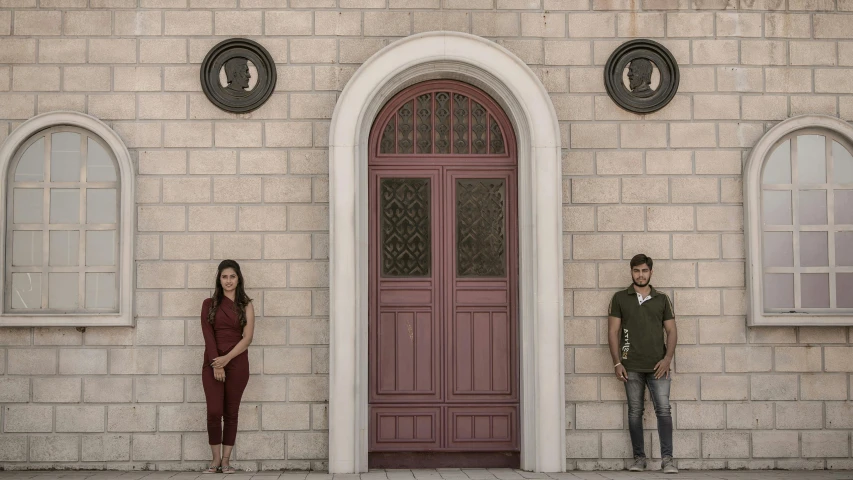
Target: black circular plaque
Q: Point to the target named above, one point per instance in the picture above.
(233, 56)
(641, 57)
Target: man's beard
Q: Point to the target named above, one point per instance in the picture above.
(642, 284)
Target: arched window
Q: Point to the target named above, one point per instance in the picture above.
(799, 189)
(68, 224)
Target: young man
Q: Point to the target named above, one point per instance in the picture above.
(637, 320)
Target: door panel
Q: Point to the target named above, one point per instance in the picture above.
(482, 428)
(405, 428)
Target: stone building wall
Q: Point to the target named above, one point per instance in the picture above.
(254, 187)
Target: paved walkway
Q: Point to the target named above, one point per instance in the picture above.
(441, 474)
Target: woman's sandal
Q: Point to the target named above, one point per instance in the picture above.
(213, 469)
(228, 469)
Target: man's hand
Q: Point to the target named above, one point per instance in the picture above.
(662, 368)
(621, 373)
(219, 374)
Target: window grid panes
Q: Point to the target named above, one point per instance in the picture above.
(62, 225)
(807, 228)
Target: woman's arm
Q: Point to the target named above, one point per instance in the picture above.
(210, 351)
(241, 347)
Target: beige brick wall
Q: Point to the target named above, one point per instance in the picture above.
(254, 187)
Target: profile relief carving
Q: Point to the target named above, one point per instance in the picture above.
(641, 76)
(238, 75)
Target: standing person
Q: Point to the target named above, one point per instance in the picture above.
(637, 319)
(227, 322)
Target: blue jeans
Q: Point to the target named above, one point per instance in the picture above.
(659, 391)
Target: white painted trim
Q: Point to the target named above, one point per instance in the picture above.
(517, 89)
(752, 220)
(127, 226)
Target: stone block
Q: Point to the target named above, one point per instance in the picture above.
(288, 134)
(725, 445)
(162, 162)
(288, 303)
(57, 336)
(67, 50)
(596, 247)
(309, 274)
(699, 359)
(725, 387)
(700, 416)
(286, 416)
(159, 389)
(113, 107)
(359, 50)
(33, 22)
(839, 415)
(579, 389)
(55, 390)
(54, 448)
(16, 390)
(18, 50)
(13, 448)
(823, 386)
(186, 247)
(674, 274)
(263, 218)
(640, 24)
(298, 23)
(188, 134)
(599, 416)
(799, 415)
(620, 218)
(309, 331)
(189, 23)
(695, 190)
(132, 418)
(721, 274)
(739, 24)
(739, 79)
(597, 135)
(88, 419)
(695, 246)
(240, 247)
(263, 162)
(308, 217)
(133, 361)
(266, 388)
(113, 50)
(831, 25)
(213, 162)
(182, 79)
(314, 50)
(749, 416)
(52, 103)
(308, 389)
(595, 190)
(775, 444)
(675, 218)
(163, 106)
(787, 25)
(137, 79)
(582, 445)
(161, 219)
(593, 360)
(24, 361)
(616, 445)
(387, 24)
(825, 444)
(654, 245)
(35, 78)
(128, 23)
(696, 79)
(669, 162)
(28, 418)
(838, 359)
(619, 163)
(158, 447)
(716, 107)
(643, 135)
(108, 389)
(579, 275)
(813, 105)
(578, 219)
(238, 23)
(773, 387)
(186, 190)
(798, 359)
(590, 303)
(694, 24)
(709, 52)
(17, 107)
(183, 418)
(106, 448)
(690, 135)
(160, 275)
(722, 330)
(213, 219)
(182, 361)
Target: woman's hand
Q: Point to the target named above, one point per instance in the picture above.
(220, 362)
(219, 374)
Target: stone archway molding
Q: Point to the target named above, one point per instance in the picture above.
(513, 85)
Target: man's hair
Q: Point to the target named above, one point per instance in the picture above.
(640, 259)
(233, 66)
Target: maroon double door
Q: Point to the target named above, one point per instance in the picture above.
(443, 281)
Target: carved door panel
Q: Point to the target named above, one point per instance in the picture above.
(443, 253)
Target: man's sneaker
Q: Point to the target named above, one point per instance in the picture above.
(668, 465)
(638, 465)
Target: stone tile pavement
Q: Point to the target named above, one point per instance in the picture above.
(440, 474)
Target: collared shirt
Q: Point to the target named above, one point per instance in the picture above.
(641, 337)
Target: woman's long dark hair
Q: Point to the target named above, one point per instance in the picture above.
(240, 297)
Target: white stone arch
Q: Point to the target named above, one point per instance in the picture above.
(127, 219)
(756, 315)
(516, 88)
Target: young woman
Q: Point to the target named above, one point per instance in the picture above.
(227, 321)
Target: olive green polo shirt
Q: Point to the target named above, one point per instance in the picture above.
(641, 339)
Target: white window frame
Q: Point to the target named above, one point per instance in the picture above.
(127, 219)
(756, 314)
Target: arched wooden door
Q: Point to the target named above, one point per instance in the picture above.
(443, 281)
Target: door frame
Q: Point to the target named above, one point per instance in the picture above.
(524, 99)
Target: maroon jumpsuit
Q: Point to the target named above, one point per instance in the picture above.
(223, 398)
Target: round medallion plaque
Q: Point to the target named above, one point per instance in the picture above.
(227, 75)
(641, 76)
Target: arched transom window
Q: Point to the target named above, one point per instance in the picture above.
(802, 253)
(62, 225)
